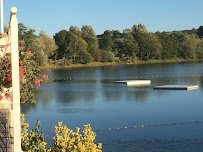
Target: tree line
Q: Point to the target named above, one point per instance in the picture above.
(84, 46)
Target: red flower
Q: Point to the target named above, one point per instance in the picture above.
(21, 69)
(44, 76)
(8, 76)
(1, 97)
(29, 52)
(37, 82)
(20, 47)
(6, 45)
(21, 75)
(22, 62)
(8, 96)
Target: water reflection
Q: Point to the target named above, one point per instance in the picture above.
(201, 83)
(96, 84)
(89, 95)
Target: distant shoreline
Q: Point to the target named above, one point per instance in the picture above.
(98, 64)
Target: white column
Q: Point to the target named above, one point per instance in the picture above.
(15, 79)
(2, 17)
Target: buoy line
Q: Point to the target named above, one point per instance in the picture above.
(148, 126)
(135, 77)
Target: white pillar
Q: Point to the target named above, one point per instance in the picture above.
(15, 79)
(2, 17)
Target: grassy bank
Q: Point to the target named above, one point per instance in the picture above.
(96, 64)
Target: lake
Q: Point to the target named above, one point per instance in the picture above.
(171, 119)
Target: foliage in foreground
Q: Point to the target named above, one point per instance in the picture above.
(65, 139)
(29, 75)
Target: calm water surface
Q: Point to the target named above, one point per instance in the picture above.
(89, 96)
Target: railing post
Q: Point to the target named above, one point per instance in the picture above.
(15, 79)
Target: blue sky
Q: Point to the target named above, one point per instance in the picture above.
(157, 15)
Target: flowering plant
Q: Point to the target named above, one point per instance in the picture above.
(29, 75)
(65, 140)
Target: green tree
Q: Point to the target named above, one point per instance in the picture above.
(84, 57)
(61, 42)
(180, 39)
(200, 31)
(95, 52)
(139, 27)
(149, 45)
(106, 42)
(89, 36)
(117, 47)
(25, 35)
(49, 43)
(88, 30)
(190, 47)
(170, 45)
(130, 47)
(127, 31)
(75, 30)
(75, 45)
(43, 46)
(38, 47)
(118, 40)
(107, 56)
(200, 49)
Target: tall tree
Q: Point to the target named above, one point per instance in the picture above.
(60, 40)
(38, 47)
(200, 49)
(130, 47)
(26, 35)
(106, 42)
(49, 42)
(139, 27)
(190, 47)
(88, 30)
(75, 30)
(170, 45)
(180, 39)
(118, 40)
(75, 45)
(149, 45)
(95, 52)
(88, 35)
